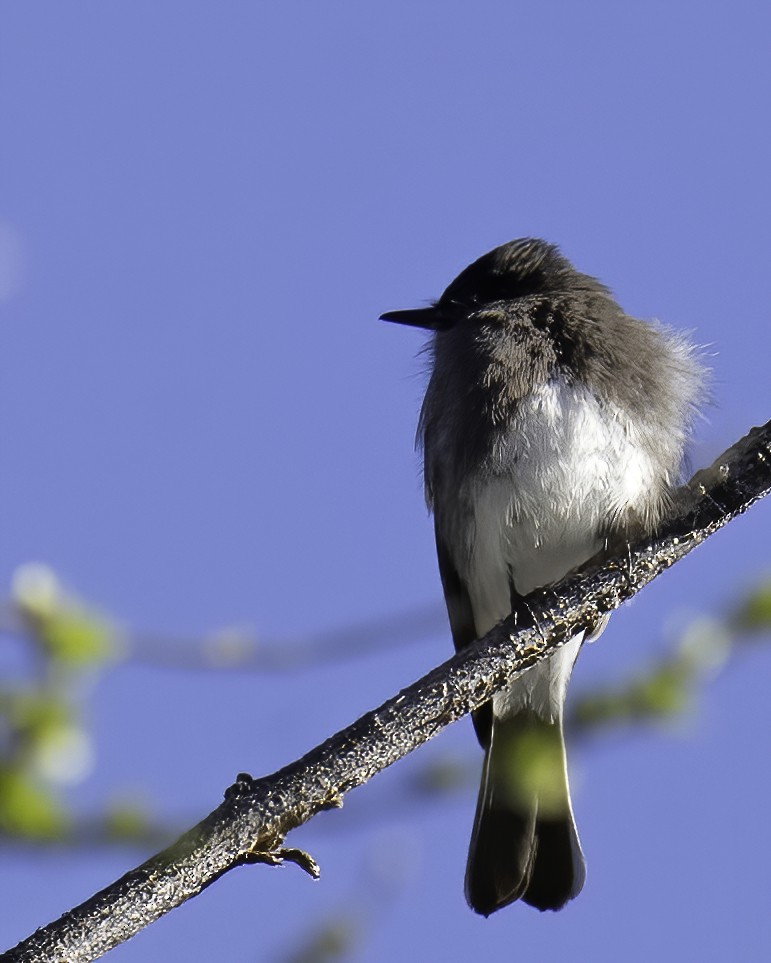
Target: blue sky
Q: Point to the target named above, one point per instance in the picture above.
(204, 209)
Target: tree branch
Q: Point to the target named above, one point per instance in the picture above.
(250, 825)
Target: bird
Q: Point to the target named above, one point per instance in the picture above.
(553, 425)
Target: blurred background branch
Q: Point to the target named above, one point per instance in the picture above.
(43, 613)
(46, 746)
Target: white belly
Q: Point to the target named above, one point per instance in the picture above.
(568, 467)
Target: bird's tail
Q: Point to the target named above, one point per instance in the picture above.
(524, 843)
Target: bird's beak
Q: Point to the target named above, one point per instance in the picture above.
(432, 318)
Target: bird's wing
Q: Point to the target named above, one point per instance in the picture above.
(462, 625)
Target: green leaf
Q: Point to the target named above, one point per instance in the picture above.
(27, 809)
(754, 613)
(75, 637)
(68, 631)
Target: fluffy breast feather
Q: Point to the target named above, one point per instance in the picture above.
(569, 470)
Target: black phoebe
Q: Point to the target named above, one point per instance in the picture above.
(552, 423)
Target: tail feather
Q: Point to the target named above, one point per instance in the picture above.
(524, 843)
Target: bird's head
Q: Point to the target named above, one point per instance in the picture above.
(515, 270)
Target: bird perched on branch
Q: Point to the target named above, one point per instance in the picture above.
(552, 423)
